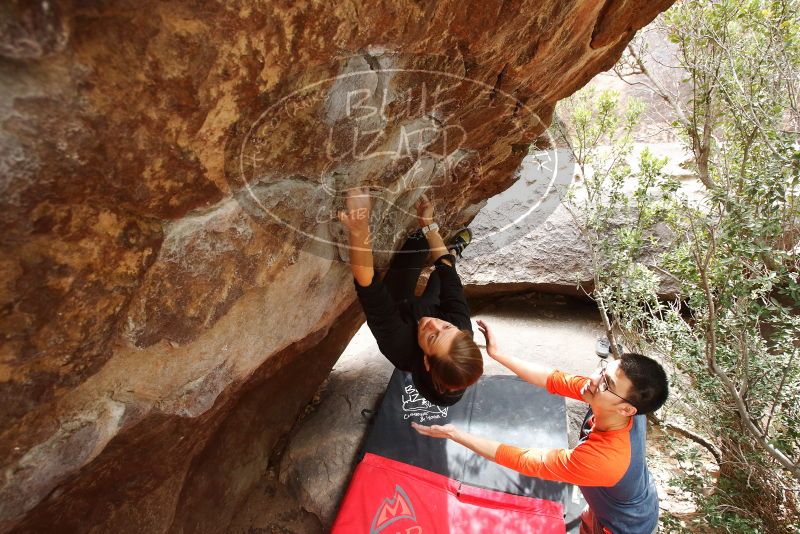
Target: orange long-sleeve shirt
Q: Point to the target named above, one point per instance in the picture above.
(601, 460)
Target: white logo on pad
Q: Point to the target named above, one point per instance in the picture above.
(418, 407)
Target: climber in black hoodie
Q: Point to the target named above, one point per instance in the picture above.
(430, 336)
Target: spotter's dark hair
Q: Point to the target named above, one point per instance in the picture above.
(650, 386)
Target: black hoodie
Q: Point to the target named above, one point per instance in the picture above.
(394, 324)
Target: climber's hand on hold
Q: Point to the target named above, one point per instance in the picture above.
(424, 211)
(355, 216)
(356, 219)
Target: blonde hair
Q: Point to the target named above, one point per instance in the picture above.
(460, 367)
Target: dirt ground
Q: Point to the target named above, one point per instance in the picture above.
(272, 509)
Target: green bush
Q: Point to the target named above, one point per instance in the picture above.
(733, 334)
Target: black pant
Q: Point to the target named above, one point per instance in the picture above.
(406, 266)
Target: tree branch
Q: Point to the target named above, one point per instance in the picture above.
(711, 345)
(685, 432)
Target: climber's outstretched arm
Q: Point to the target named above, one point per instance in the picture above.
(435, 242)
(531, 372)
(355, 219)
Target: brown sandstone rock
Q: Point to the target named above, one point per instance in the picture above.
(32, 30)
(170, 295)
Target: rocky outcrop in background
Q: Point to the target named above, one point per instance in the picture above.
(171, 293)
(543, 248)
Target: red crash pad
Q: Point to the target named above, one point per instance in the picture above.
(390, 497)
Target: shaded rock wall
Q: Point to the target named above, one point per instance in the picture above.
(322, 450)
(170, 285)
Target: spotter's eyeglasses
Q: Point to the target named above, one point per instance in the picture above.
(604, 385)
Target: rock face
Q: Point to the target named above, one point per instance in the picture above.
(170, 287)
(552, 257)
(542, 250)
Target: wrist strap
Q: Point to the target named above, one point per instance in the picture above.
(432, 227)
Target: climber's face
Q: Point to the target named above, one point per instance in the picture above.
(435, 336)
